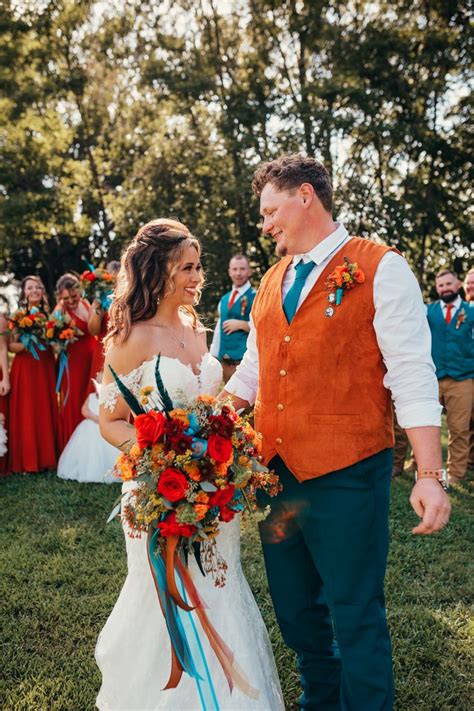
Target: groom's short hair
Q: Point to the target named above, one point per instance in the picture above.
(290, 171)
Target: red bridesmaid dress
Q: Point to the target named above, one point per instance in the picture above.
(98, 356)
(76, 387)
(4, 411)
(33, 413)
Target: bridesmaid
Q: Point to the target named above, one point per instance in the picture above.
(75, 388)
(33, 415)
(97, 325)
(4, 387)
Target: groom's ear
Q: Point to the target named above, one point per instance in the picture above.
(306, 192)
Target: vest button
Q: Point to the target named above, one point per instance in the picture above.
(280, 406)
(278, 440)
(282, 372)
(287, 339)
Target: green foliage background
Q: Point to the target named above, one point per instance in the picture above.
(115, 113)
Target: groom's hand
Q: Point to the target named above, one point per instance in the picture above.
(431, 503)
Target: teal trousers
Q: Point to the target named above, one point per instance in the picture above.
(325, 544)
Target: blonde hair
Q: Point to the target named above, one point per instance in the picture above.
(147, 269)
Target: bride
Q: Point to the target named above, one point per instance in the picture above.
(153, 313)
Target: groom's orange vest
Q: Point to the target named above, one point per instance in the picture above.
(321, 403)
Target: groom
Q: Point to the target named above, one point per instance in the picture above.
(338, 328)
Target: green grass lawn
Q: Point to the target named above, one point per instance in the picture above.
(62, 569)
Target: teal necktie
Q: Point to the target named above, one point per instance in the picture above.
(291, 299)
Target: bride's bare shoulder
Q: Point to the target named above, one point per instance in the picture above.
(128, 355)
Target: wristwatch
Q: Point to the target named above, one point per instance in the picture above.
(440, 474)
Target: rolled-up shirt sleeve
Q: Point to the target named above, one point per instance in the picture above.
(244, 382)
(404, 338)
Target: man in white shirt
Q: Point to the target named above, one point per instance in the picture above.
(319, 367)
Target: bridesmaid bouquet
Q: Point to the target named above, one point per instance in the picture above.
(29, 325)
(195, 467)
(60, 332)
(97, 283)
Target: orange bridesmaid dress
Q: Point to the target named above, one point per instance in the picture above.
(32, 413)
(74, 389)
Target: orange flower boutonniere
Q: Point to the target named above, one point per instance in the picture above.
(243, 305)
(344, 277)
(461, 317)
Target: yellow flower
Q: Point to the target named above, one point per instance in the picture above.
(134, 451)
(49, 333)
(201, 510)
(192, 470)
(125, 468)
(180, 415)
(206, 399)
(147, 390)
(243, 461)
(221, 469)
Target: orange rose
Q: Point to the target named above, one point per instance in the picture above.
(359, 276)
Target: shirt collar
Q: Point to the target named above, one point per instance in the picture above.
(324, 249)
(241, 289)
(456, 303)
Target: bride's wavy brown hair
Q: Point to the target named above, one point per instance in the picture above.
(146, 270)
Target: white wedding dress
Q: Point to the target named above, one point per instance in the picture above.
(133, 650)
(87, 457)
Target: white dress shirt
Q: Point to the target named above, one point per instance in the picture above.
(456, 303)
(216, 338)
(401, 329)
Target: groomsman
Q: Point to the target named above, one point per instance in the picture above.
(337, 324)
(451, 322)
(230, 335)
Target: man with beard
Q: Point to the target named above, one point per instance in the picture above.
(452, 322)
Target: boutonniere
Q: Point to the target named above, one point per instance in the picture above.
(243, 305)
(461, 317)
(344, 277)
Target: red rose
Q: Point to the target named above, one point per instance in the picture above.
(170, 527)
(90, 276)
(222, 496)
(226, 514)
(219, 449)
(172, 484)
(150, 428)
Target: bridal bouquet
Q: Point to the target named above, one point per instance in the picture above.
(29, 325)
(60, 332)
(97, 283)
(195, 467)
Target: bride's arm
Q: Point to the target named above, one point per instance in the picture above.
(114, 413)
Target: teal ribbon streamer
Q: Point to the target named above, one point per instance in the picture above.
(183, 632)
(339, 293)
(63, 368)
(31, 343)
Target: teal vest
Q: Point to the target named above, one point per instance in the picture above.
(233, 345)
(452, 345)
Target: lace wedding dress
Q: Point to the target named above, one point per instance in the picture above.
(133, 650)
